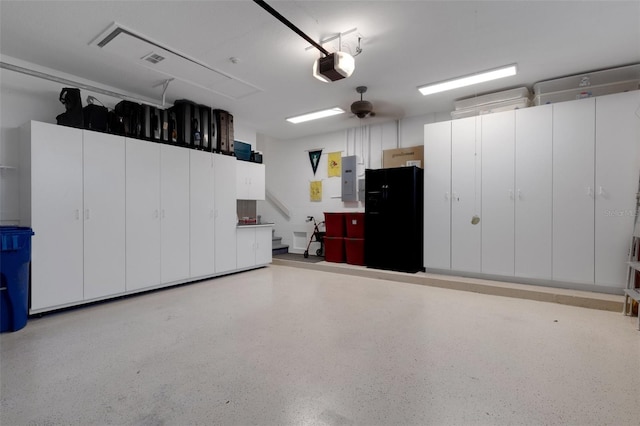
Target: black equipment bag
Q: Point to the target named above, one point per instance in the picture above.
(72, 101)
(184, 116)
(163, 118)
(132, 117)
(115, 123)
(172, 126)
(152, 123)
(205, 128)
(222, 131)
(95, 117)
(196, 132)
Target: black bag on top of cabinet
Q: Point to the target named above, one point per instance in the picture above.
(196, 132)
(132, 117)
(205, 128)
(152, 123)
(222, 133)
(72, 101)
(172, 126)
(115, 123)
(183, 110)
(96, 117)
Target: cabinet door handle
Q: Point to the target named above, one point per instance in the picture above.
(589, 191)
(446, 196)
(162, 214)
(87, 214)
(600, 190)
(77, 214)
(155, 214)
(511, 194)
(519, 194)
(211, 214)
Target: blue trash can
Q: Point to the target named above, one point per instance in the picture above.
(15, 255)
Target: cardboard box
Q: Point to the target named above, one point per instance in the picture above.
(402, 157)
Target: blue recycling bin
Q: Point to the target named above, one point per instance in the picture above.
(15, 255)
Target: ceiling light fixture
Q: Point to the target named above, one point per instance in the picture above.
(315, 115)
(481, 77)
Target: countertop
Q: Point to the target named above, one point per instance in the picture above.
(253, 225)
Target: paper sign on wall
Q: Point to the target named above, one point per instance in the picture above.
(334, 164)
(315, 190)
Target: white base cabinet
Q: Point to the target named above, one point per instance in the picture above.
(115, 216)
(254, 245)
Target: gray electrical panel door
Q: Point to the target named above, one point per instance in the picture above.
(349, 191)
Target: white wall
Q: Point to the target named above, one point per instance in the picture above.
(289, 173)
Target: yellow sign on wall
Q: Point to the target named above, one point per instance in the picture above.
(334, 164)
(315, 190)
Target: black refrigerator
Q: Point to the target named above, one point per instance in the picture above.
(394, 219)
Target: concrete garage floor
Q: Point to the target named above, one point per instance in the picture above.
(291, 346)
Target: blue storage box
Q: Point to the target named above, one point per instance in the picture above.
(242, 150)
(15, 255)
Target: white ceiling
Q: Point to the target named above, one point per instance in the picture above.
(405, 44)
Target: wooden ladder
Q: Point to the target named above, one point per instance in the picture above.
(632, 292)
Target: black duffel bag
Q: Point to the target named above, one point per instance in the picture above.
(95, 117)
(72, 101)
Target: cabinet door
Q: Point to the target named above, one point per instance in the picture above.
(257, 181)
(573, 190)
(202, 207)
(617, 168)
(534, 169)
(242, 180)
(56, 215)
(174, 213)
(246, 247)
(465, 190)
(264, 241)
(437, 195)
(498, 197)
(104, 215)
(225, 213)
(143, 214)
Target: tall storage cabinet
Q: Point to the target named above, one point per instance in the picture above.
(52, 204)
(143, 214)
(466, 184)
(573, 190)
(104, 214)
(533, 184)
(174, 213)
(497, 220)
(225, 213)
(202, 211)
(437, 195)
(616, 183)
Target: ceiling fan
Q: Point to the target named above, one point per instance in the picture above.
(362, 108)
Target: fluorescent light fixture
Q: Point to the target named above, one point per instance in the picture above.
(481, 77)
(315, 115)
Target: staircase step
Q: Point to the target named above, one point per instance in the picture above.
(280, 250)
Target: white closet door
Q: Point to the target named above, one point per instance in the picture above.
(466, 187)
(533, 223)
(573, 190)
(104, 215)
(498, 194)
(174, 213)
(202, 212)
(264, 241)
(56, 215)
(617, 173)
(437, 195)
(143, 214)
(225, 217)
(246, 247)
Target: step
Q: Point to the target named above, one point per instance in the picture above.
(280, 250)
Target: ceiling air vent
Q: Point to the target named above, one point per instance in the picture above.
(154, 58)
(141, 50)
